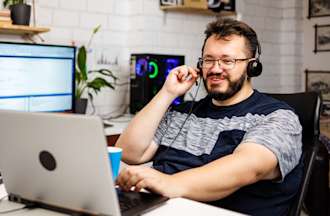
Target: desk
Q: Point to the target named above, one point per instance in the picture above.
(177, 206)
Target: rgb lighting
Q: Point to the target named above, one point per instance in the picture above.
(141, 66)
(154, 65)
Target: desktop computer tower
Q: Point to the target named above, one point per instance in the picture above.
(147, 75)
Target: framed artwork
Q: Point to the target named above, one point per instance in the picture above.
(322, 38)
(318, 8)
(319, 81)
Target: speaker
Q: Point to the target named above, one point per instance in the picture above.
(148, 73)
(254, 67)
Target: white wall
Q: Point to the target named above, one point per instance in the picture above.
(312, 61)
(131, 26)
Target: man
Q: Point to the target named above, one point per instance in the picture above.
(236, 148)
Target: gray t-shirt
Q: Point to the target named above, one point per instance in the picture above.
(210, 132)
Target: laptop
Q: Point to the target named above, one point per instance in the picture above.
(60, 161)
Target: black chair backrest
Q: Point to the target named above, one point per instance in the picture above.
(307, 106)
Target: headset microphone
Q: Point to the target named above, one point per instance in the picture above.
(199, 71)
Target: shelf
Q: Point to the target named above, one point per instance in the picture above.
(21, 29)
(187, 9)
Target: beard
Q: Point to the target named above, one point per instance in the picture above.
(233, 88)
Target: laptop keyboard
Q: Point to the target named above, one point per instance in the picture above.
(126, 203)
(132, 202)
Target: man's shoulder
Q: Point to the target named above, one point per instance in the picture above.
(265, 104)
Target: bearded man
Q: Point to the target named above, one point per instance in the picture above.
(236, 148)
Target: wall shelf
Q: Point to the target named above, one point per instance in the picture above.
(188, 9)
(22, 30)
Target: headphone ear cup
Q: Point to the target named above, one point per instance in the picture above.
(254, 68)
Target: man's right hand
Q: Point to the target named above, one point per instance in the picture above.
(180, 80)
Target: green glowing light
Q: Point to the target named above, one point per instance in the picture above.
(155, 73)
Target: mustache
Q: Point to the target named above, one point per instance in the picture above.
(222, 75)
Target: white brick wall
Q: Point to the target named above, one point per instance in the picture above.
(73, 5)
(132, 26)
(65, 18)
(279, 26)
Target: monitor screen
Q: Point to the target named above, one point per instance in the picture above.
(37, 78)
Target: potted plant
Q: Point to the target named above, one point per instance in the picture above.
(90, 81)
(20, 12)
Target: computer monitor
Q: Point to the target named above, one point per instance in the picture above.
(37, 77)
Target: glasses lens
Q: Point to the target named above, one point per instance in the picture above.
(226, 64)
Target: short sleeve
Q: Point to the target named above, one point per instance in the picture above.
(281, 132)
(162, 128)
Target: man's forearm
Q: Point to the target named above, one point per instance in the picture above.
(224, 176)
(208, 183)
(137, 137)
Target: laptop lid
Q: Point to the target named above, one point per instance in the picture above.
(57, 159)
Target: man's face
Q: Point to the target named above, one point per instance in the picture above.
(222, 83)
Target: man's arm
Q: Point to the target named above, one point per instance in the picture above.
(248, 164)
(136, 140)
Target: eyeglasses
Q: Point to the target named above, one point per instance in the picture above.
(224, 63)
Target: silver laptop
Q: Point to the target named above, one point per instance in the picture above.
(60, 161)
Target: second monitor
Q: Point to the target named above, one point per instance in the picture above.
(37, 77)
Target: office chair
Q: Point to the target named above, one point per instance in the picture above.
(308, 107)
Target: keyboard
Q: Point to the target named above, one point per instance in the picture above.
(134, 203)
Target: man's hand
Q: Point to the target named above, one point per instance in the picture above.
(142, 177)
(180, 80)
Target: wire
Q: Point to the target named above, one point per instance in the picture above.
(13, 210)
(181, 127)
(27, 206)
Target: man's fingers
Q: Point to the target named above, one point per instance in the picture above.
(183, 72)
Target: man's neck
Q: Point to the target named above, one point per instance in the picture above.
(240, 96)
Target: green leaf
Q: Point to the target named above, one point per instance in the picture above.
(105, 72)
(98, 83)
(82, 59)
(96, 29)
(7, 3)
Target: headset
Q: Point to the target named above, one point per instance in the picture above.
(254, 67)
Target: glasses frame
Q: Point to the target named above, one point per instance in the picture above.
(200, 62)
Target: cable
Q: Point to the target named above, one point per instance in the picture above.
(12, 210)
(27, 206)
(181, 127)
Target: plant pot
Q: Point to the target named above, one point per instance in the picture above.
(80, 105)
(20, 14)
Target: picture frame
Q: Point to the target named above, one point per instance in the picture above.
(322, 38)
(318, 8)
(319, 81)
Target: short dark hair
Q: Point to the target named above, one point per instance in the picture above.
(226, 27)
